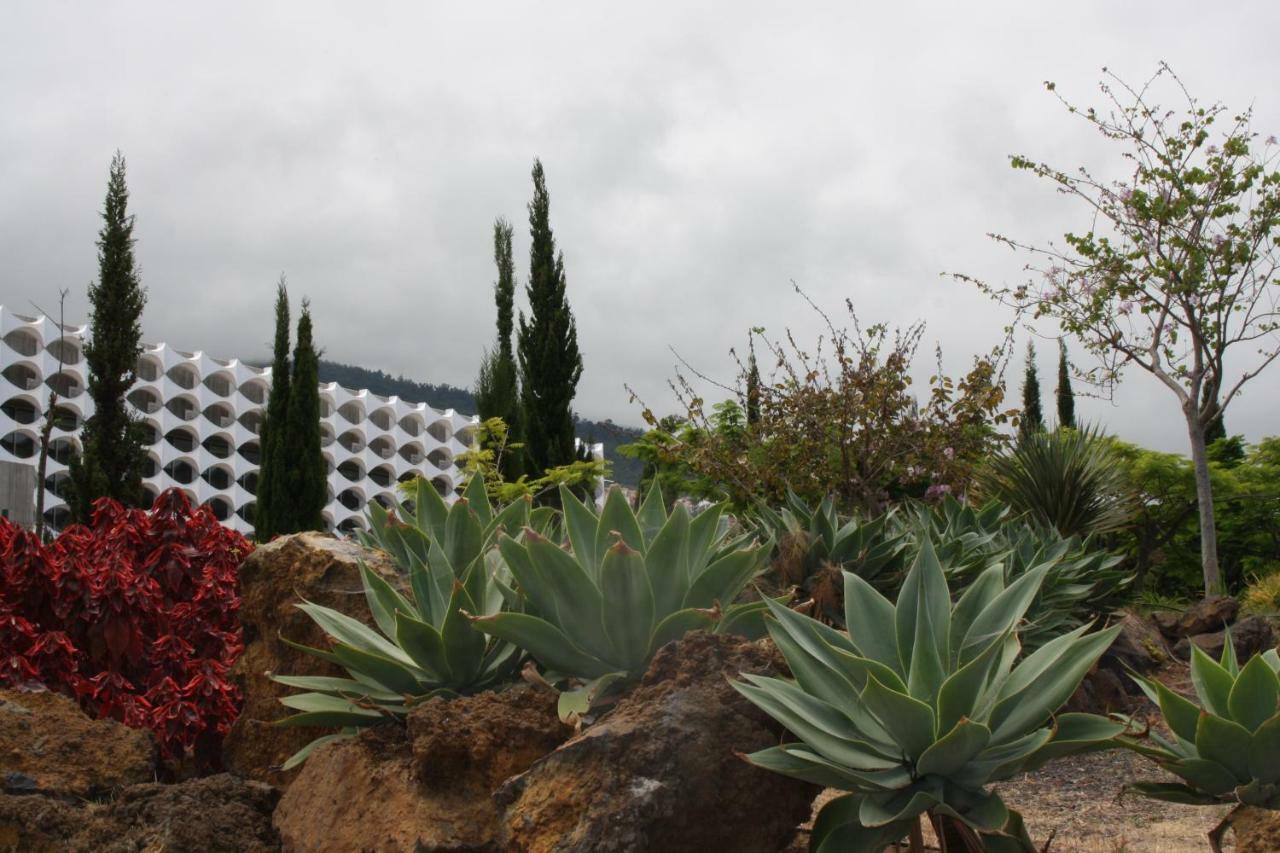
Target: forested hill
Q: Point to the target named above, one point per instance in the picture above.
(625, 470)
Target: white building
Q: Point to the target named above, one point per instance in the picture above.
(203, 416)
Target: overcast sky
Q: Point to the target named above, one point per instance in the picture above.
(700, 157)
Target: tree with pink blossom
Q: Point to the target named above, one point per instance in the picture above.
(1178, 265)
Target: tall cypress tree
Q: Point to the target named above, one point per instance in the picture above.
(497, 386)
(753, 390)
(1066, 397)
(272, 481)
(113, 459)
(1032, 414)
(550, 364)
(305, 468)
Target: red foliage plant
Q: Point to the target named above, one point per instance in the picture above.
(134, 615)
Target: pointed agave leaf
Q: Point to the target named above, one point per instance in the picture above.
(975, 599)
(579, 605)
(463, 535)
(477, 498)
(628, 602)
(725, 578)
(1228, 660)
(1226, 743)
(617, 517)
(1255, 695)
(703, 532)
(512, 518)
(895, 806)
(347, 688)
(984, 812)
(837, 829)
(545, 642)
(431, 509)
(789, 760)
(581, 525)
(1272, 657)
(909, 721)
(353, 632)
(1074, 734)
(1173, 792)
(869, 617)
(1000, 761)
(1264, 752)
(653, 513)
(1038, 662)
(951, 752)
(1212, 683)
(744, 620)
(677, 624)
(1208, 776)
(423, 643)
(922, 623)
(1003, 613)
(463, 644)
(383, 600)
(958, 696)
(667, 562)
(390, 673)
(301, 755)
(319, 709)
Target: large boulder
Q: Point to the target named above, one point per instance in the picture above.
(49, 746)
(427, 786)
(1256, 830)
(1107, 688)
(222, 814)
(323, 570)
(1208, 615)
(1250, 635)
(663, 770)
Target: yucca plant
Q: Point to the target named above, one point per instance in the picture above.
(424, 644)
(1068, 479)
(1226, 749)
(919, 707)
(627, 583)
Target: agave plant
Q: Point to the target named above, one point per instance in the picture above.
(919, 707)
(423, 644)
(628, 583)
(1068, 479)
(1226, 749)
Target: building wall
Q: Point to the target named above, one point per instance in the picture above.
(203, 416)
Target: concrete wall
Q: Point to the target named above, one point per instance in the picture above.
(18, 493)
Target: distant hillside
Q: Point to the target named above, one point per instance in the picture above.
(625, 471)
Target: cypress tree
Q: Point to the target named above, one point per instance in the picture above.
(497, 386)
(1066, 397)
(1032, 420)
(305, 468)
(272, 482)
(550, 364)
(113, 458)
(753, 390)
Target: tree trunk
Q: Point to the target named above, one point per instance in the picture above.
(1204, 497)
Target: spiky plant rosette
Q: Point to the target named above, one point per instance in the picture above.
(921, 706)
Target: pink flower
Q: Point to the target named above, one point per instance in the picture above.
(1126, 307)
(1212, 149)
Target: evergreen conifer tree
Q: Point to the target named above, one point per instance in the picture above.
(550, 364)
(272, 479)
(753, 390)
(497, 386)
(1032, 420)
(305, 469)
(1066, 397)
(113, 457)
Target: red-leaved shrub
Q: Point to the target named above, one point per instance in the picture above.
(135, 615)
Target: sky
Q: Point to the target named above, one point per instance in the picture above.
(700, 158)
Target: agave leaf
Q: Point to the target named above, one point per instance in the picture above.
(617, 518)
(869, 617)
(704, 529)
(837, 830)
(353, 632)
(1173, 792)
(1074, 734)
(322, 654)
(1013, 838)
(581, 524)
(301, 755)
(1226, 743)
(1002, 614)
(895, 806)
(999, 761)
(798, 763)
(477, 498)
(544, 641)
(975, 599)
(431, 509)
(383, 600)
(951, 752)
(463, 536)
(1212, 683)
(1228, 660)
(653, 514)
(1208, 776)
(984, 812)
(676, 625)
(825, 729)
(923, 599)
(628, 601)
(423, 643)
(579, 701)
(1272, 657)
(319, 709)
(389, 672)
(529, 575)
(1255, 695)
(958, 696)
(745, 619)
(908, 720)
(1038, 662)
(1182, 715)
(667, 562)
(1264, 752)
(347, 688)
(463, 644)
(725, 578)
(512, 518)
(579, 605)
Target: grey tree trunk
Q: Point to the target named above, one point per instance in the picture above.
(1204, 497)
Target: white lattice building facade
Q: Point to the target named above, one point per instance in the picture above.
(203, 417)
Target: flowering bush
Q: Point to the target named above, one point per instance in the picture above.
(135, 616)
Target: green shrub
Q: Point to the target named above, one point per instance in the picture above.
(920, 707)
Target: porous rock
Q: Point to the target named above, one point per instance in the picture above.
(221, 814)
(273, 579)
(1206, 616)
(49, 746)
(663, 770)
(1250, 635)
(427, 787)
(1256, 830)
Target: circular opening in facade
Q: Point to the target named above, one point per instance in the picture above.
(383, 418)
(21, 410)
(352, 440)
(150, 435)
(440, 457)
(150, 466)
(352, 499)
(351, 525)
(220, 383)
(245, 512)
(352, 412)
(20, 444)
(251, 451)
(254, 390)
(148, 368)
(184, 376)
(145, 400)
(23, 341)
(63, 449)
(383, 446)
(249, 482)
(183, 407)
(22, 376)
(326, 435)
(351, 470)
(181, 471)
(443, 485)
(218, 476)
(219, 414)
(252, 421)
(441, 430)
(383, 475)
(221, 508)
(219, 446)
(66, 350)
(182, 438)
(412, 453)
(412, 423)
(57, 518)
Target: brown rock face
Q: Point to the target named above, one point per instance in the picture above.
(217, 813)
(428, 788)
(1256, 830)
(323, 570)
(1211, 614)
(1140, 646)
(49, 746)
(661, 771)
(1250, 636)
